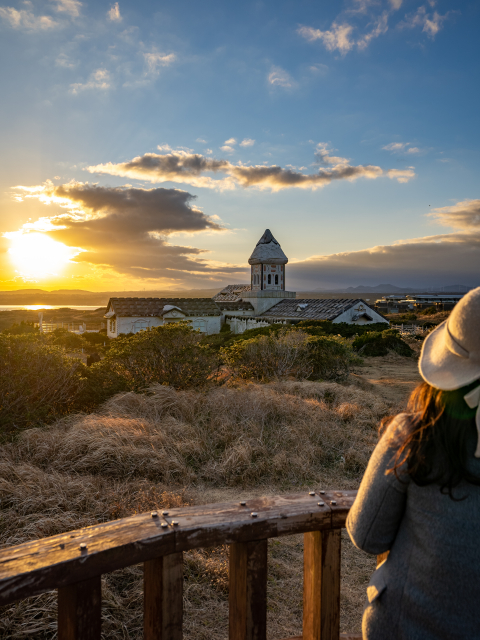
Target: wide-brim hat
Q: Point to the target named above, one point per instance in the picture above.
(450, 357)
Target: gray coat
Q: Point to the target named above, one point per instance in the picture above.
(429, 586)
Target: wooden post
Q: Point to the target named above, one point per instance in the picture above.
(248, 590)
(80, 610)
(321, 585)
(163, 598)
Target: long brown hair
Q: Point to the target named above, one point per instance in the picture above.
(436, 449)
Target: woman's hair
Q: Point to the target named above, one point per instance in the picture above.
(436, 447)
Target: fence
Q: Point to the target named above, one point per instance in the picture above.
(413, 329)
(48, 327)
(73, 563)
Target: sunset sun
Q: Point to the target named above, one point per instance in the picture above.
(37, 255)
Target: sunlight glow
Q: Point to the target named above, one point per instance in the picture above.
(37, 255)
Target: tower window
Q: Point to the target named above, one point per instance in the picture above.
(269, 278)
(276, 279)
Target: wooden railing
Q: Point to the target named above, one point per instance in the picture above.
(73, 563)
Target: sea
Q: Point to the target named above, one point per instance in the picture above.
(36, 307)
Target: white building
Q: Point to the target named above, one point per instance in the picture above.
(266, 299)
(131, 315)
(242, 306)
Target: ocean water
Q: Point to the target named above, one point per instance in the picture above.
(37, 307)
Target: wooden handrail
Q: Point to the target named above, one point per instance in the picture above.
(73, 563)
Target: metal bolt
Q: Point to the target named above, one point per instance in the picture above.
(321, 504)
(154, 514)
(243, 503)
(334, 502)
(311, 493)
(164, 525)
(174, 522)
(164, 513)
(83, 546)
(322, 492)
(254, 514)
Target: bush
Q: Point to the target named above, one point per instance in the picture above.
(330, 357)
(429, 311)
(376, 343)
(267, 357)
(289, 353)
(22, 329)
(343, 329)
(172, 354)
(38, 382)
(67, 339)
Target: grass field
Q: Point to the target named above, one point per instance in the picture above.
(171, 448)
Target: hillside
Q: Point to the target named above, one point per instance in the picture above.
(170, 448)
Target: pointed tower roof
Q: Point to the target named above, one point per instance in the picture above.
(268, 251)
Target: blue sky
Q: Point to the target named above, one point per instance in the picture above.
(150, 144)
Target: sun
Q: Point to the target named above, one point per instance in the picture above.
(37, 255)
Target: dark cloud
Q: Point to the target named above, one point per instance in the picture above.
(452, 258)
(125, 229)
(185, 167)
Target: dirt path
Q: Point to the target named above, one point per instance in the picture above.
(392, 376)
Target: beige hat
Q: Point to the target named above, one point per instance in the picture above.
(450, 357)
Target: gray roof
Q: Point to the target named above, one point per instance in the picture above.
(239, 305)
(231, 293)
(146, 307)
(268, 251)
(310, 309)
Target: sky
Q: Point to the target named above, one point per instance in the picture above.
(148, 145)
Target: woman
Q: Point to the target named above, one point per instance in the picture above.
(420, 496)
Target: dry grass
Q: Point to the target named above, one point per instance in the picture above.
(172, 448)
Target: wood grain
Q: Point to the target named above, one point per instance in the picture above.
(42, 565)
(248, 591)
(321, 585)
(163, 598)
(80, 610)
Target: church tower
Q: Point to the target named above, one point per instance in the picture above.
(268, 265)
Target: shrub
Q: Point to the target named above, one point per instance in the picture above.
(376, 343)
(289, 353)
(267, 357)
(429, 311)
(21, 329)
(330, 357)
(67, 339)
(38, 382)
(172, 354)
(343, 329)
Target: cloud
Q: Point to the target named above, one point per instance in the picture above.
(337, 37)
(125, 229)
(72, 7)
(155, 61)
(402, 175)
(379, 28)
(402, 147)
(189, 168)
(278, 77)
(247, 142)
(463, 215)
(431, 23)
(435, 260)
(227, 148)
(114, 13)
(396, 4)
(99, 79)
(230, 141)
(201, 140)
(27, 20)
(64, 61)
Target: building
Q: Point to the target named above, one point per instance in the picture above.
(131, 315)
(266, 300)
(242, 306)
(416, 302)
